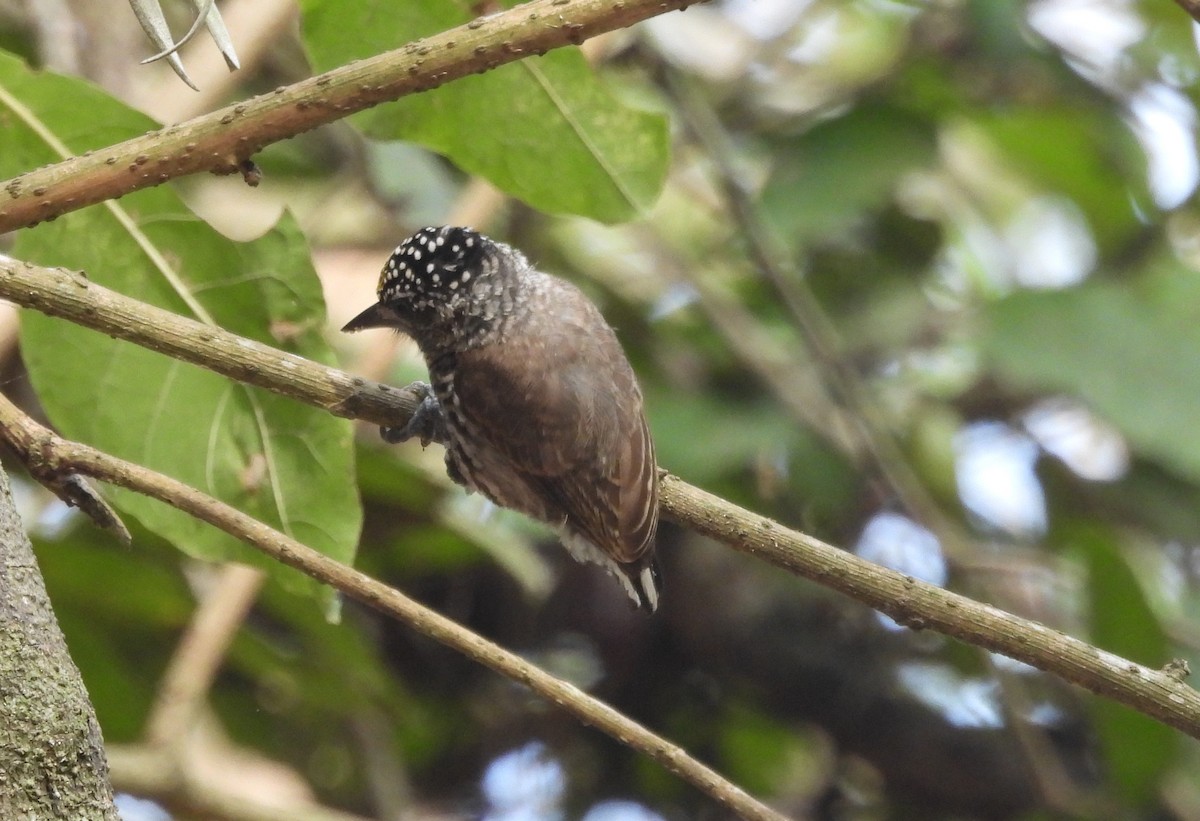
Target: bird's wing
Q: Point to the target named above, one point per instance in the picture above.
(571, 426)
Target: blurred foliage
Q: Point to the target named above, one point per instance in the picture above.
(1140, 749)
(1067, 341)
(994, 205)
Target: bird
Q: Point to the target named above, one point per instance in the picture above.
(531, 394)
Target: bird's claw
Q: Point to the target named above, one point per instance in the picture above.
(427, 423)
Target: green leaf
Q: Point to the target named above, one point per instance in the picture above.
(1138, 749)
(766, 756)
(827, 178)
(545, 129)
(1087, 155)
(286, 464)
(733, 435)
(1130, 354)
(1167, 44)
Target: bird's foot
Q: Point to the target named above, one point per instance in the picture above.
(427, 424)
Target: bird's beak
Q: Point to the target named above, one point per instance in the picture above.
(377, 316)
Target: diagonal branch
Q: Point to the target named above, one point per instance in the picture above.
(54, 453)
(873, 444)
(223, 142)
(200, 653)
(70, 295)
(1157, 693)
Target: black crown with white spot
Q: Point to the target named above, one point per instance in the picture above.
(432, 262)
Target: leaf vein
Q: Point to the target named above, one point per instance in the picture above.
(577, 127)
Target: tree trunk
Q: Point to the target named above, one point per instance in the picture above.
(52, 761)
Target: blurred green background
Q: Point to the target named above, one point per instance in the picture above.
(985, 209)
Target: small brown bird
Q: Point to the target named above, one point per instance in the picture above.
(531, 394)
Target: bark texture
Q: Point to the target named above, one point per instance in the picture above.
(52, 763)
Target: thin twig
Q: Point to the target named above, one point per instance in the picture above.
(790, 378)
(920, 605)
(867, 438)
(195, 792)
(58, 454)
(200, 652)
(767, 252)
(70, 295)
(1158, 694)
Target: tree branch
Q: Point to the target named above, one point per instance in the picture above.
(200, 653)
(53, 453)
(919, 605)
(221, 142)
(70, 295)
(867, 438)
(874, 446)
(192, 791)
(52, 757)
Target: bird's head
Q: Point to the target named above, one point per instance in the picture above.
(436, 280)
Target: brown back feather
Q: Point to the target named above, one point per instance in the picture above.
(574, 428)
